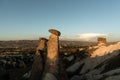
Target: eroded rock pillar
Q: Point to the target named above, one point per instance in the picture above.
(39, 60)
(53, 52)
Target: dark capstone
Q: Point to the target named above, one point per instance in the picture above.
(56, 32)
(42, 38)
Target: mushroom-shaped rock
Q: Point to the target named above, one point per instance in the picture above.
(56, 32)
(52, 58)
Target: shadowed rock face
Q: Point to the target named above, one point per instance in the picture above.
(42, 46)
(39, 60)
(52, 49)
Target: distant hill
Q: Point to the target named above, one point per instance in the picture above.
(34, 43)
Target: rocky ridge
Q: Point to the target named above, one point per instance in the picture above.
(103, 64)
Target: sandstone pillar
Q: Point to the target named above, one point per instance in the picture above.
(53, 52)
(39, 60)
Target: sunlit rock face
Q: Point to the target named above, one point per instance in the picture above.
(53, 47)
(104, 50)
(53, 51)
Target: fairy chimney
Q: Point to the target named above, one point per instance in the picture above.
(53, 52)
(42, 46)
(101, 41)
(39, 60)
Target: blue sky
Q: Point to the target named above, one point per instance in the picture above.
(31, 19)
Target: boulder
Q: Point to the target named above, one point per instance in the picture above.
(49, 76)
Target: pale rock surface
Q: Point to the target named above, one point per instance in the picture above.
(94, 66)
(49, 76)
(91, 63)
(104, 50)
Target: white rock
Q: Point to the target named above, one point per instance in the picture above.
(91, 63)
(103, 50)
(49, 76)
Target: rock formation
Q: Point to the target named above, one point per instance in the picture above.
(104, 50)
(52, 59)
(101, 41)
(39, 60)
(98, 67)
(102, 64)
(46, 59)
